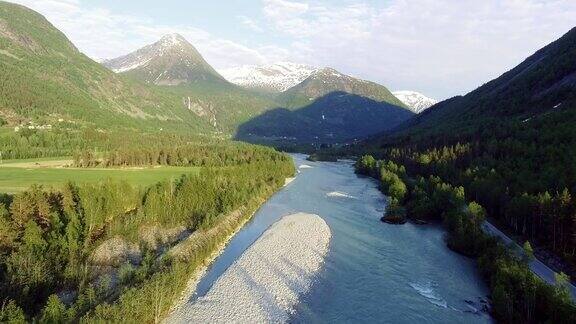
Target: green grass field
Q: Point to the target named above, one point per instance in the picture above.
(19, 175)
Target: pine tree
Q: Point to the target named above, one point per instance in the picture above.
(54, 311)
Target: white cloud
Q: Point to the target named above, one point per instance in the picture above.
(102, 34)
(284, 8)
(440, 47)
(250, 23)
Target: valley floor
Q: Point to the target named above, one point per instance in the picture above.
(19, 175)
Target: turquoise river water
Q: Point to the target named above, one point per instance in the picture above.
(374, 272)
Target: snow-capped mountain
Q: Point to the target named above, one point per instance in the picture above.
(325, 81)
(276, 77)
(170, 61)
(415, 100)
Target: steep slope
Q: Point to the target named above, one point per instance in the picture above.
(276, 77)
(511, 145)
(542, 83)
(170, 61)
(46, 80)
(416, 101)
(328, 107)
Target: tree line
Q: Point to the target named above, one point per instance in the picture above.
(518, 296)
(212, 155)
(526, 187)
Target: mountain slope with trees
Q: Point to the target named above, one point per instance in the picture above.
(543, 84)
(511, 145)
(327, 107)
(46, 80)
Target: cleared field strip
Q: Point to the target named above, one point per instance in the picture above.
(17, 176)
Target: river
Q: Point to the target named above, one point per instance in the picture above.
(373, 272)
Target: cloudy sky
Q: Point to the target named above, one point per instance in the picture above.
(439, 47)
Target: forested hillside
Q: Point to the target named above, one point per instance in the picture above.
(511, 145)
(334, 118)
(543, 84)
(47, 81)
(327, 107)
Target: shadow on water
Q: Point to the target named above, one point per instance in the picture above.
(337, 116)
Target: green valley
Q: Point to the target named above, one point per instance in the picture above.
(131, 187)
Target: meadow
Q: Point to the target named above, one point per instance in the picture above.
(19, 175)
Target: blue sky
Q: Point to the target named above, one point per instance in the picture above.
(441, 48)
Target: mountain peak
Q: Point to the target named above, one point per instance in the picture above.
(170, 61)
(173, 39)
(327, 73)
(416, 101)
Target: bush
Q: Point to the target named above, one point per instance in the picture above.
(365, 165)
(11, 313)
(54, 311)
(126, 273)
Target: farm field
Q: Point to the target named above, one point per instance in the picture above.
(18, 175)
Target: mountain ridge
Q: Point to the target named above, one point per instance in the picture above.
(172, 60)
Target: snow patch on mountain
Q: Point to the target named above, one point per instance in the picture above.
(275, 77)
(140, 58)
(416, 101)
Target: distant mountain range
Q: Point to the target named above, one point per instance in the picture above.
(168, 86)
(276, 77)
(416, 101)
(315, 104)
(282, 76)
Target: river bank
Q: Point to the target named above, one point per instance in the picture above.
(264, 284)
(237, 220)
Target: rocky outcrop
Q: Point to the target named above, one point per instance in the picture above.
(115, 252)
(155, 237)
